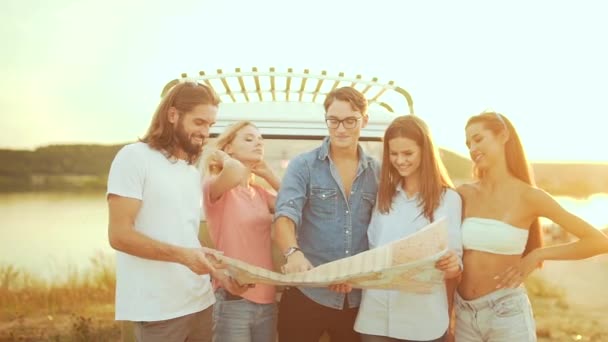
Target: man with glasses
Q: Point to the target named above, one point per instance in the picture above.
(322, 212)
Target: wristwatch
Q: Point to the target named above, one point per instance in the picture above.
(290, 251)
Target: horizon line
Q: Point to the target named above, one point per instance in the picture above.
(535, 161)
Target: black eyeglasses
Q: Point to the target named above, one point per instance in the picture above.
(348, 123)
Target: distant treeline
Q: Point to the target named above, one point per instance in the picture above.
(56, 167)
(85, 168)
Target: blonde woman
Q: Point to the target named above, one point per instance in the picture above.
(239, 216)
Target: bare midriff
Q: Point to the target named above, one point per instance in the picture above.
(480, 269)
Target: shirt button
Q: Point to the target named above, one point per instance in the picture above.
(347, 232)
(347, 211)
(347, 251)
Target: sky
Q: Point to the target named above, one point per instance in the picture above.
(83, 71)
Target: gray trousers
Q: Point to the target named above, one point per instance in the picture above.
(196, 327)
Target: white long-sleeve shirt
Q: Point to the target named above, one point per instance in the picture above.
(405, 315)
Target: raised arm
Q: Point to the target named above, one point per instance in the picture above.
(232, 173)
(263, 170)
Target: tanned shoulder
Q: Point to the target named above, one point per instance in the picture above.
(466, 190)
(536, 199)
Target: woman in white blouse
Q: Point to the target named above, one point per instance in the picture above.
(414, 191)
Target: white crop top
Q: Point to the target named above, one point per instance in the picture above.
(493, 236)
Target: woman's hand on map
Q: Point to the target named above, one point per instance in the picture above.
(229, 283)
(449, 264)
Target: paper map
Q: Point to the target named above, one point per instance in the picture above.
(407, 264)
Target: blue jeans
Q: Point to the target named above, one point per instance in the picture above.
(504, 315)
(240, 320)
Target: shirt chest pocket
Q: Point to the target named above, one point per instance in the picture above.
(368, 200)
(323, 202)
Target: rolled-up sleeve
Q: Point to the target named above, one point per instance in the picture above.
(292, 195)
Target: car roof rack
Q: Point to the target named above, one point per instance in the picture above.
(289, 105)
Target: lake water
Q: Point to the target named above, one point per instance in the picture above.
(46, 233)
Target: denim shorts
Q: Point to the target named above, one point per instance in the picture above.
(503, 315)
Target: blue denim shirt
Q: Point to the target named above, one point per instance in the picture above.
(329, 224)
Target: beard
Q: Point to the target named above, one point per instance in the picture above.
(184, 141)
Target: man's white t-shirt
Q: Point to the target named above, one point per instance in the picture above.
(170, 194)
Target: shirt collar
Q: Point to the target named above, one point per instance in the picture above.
(401, 192)
(364, 159)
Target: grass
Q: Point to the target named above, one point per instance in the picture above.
(78, 306)
(557, 320)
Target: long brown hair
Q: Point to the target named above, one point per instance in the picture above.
(183, 97)
(434, 178)
(517, 164)
(223, 140)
